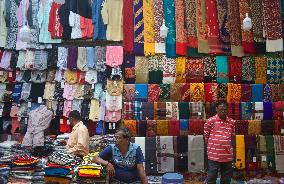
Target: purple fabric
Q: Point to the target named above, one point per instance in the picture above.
(72, 58)
(267, 111)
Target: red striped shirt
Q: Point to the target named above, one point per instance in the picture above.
(218, 134)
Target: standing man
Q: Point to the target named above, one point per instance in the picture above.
(218, 132)
(78, 142)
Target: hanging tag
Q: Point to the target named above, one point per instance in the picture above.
(282, 131)
(39, 100)
(268, 72)
(26, 121)
(263, 158)
(61, 121)
(113, 126)
(253, 159)
(109, 126)
(113, 114)
(29, 104)
(62, 84)
(10, 74)
(93, 86)
(199, 113)
(1, 72)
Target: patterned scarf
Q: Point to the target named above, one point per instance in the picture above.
(247, 110)
(151, 128)
(278, 125)
(234, 92)
(141, 92)
(278, 108)
(254, 127)
(240, 152)
(180, 70)
(247, 35)
(201, 25)
(222, 92)
(241, 127)
(272, 25)
(222, 8)
(260, 68)
(196, 127)
(183, 110)
(194, 70)
(197, 92)
(185, 92)
(190, 24)
(127, 110)
(147, 111)
(214, 44)
(128, 26)
(210, 69)
(169, 13)
(276, 91)
(270, 147)
(267, 93)
(169, 70)
(174, 128)
(141, 69)
(211, 92)
(181, 41)
(175, 92)
(235, 28)
(172, 111)
(196, 110)
(234, 110)
(162, 128)
(252, 158)
(164, 92)
(158, 20)
(138, 47)
(257, 92)
(155, 67)
(149, 31)
(128, 92)
(137, 113)
(160, 111)
(222, 69)
(129, 68)
(142, 128)
(132, 126)
(153, 92)
(246, 93)
(263, 152)
(248, 69)
(235, 69)
(274, 69)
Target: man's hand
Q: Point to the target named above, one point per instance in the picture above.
(110, 170)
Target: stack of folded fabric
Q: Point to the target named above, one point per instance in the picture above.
(4, 173)
(60, 142)
(98, 143)
(60, 167)
(89, 172)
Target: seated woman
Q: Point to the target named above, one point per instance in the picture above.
(123, 160)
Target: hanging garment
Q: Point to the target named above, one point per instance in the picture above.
(150, 155)
(240, 152)
(196, 110)
(202, 26)
(82, 59)
(164, 92)
(141, 69)
(173, 127)
(276, 92)
(262, 152)
(235, 69)
(147, 111)
(274, 69)
(248, 69)
(175, 92)
(278, 109)
(180, 150)
(3, 28)
(160, 110)
(155, 68)
(39, 120)
(222, 69)
(270, 147)
(246, 110)
(183, 126)
(153, 92)
(180, 70)
(129, 69)
(149, 32)
(252, 152)
(158, 22)
(211, 92)
(267, 127)
(234, 92)
(197, 92)
(169, 70)
(165, 154)
(196, 127)
(141, 92)
(169, 16)
(260, 68)
(142, 128)
(181, 40)
(267, 111)
(11, 23)
(128, 25)
(279, 156)
(257, 92)
(234, 110)
(267, 93)
(210, 69)
(114, 55)
(172, 111)
(194, 70)
(254, 127)
(54, 24)
(195, 153)
(258, 110)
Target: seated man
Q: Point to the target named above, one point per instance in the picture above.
(78, 142)
(123, 160)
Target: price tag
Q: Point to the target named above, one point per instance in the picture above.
(113, 114)
(268, 72)
(199, 113)
(93, 86)
(1, 72)
(282, 131)
(39, 100)
(114, 126)
(29, 104)
(62, 84)
(26, 121)
(10, 74)
(254, 159)
(61, 121)
(263, 158)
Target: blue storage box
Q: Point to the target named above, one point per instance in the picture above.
(172, 178)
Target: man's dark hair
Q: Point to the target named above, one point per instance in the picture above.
(221, 103)
(75, 114)
(126, 132)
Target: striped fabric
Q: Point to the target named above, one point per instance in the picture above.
(138, 28)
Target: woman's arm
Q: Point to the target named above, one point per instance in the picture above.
(142, 173)
(109, 167)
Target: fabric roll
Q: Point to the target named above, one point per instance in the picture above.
(247, 35)
(185, 92)
(279, 153)
(169, 70)
(197, 92)
(262, 152)
(260, 68)
(181, 152)
(162, 128)
(195, 153)
(267, 111)
(194, 70)
(274, 69)
(267, 93)
(246, 110)
(214, 45)
(150, 156)
(153, 92)
(174, 129)
(196, 127)
(141, 141)
(258, 110)
(181, 40)
(129, 92)
(183, 123)
(235, 29)
(211, 92)
(165, 154)
(270, 147)
(169, 16)
(257, 92)
(149, 32)
(222, 69)
(222, 92)
(252, 157)
(234, 92)
(147, 111)
(155, 67)
(267, 127)
(248, 69)
(240, 152)
(235, 69)
(141, 69)
(191, 28)
(129, 68)
(175, 92)
(272, 25)
(234, 110)
(201, 26)
(151, 128)
(278, 109)
(141, 128)
(242, 127)
(138, 47)
(254, 127)
(180, 70)
(158, 22)
(132, 126)
(183, 110)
